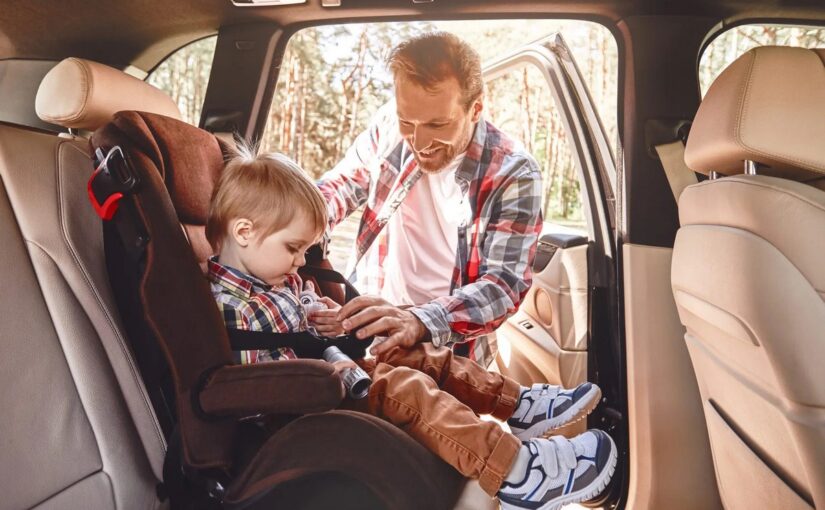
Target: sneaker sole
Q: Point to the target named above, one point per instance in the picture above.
(592, 490)
(574, 414)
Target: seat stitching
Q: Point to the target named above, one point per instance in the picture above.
(110, 321)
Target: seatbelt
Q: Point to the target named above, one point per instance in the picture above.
(304, 344)
(679, 176)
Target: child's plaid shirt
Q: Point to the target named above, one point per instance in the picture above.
(501, 188)
(248, 303)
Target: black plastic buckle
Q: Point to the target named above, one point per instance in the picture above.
(112, 179)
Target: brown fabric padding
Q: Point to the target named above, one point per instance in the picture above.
(197, 241)
(298, 387)
(191, 331)
(403, 474)
(190, 160)
(334, 291)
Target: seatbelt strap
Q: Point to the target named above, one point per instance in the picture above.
(679, 176)
(304, 344)
(330, 275)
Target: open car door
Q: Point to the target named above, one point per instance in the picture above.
(565, 331)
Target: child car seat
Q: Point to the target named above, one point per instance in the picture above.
(218, 457)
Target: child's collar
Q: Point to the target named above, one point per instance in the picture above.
(234, 280)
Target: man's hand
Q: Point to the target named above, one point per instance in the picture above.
(325, 321)
(372, 315)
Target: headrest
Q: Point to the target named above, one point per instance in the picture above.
(768, 106)
(81, 94)
(190, 160)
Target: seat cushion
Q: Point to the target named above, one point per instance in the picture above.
(398, 471)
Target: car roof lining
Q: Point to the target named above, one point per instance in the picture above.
(143, 33)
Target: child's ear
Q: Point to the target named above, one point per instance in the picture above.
(242, 232)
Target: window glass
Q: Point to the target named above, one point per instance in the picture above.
(333, 78)
(184, 76)
(732, 43)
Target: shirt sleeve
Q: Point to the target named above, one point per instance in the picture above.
(505, 265)
(346, 187)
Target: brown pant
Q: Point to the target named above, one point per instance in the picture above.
(436, 398)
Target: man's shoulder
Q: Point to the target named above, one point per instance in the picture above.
(514, 158)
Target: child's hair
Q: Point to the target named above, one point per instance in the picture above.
(268, 189)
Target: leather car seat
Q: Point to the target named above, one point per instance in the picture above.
(749, 280)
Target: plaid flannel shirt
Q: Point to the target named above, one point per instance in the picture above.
(501, 188)
(248, 303)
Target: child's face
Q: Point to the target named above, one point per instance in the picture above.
(280, 253)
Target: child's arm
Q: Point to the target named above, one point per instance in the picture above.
(324, 320)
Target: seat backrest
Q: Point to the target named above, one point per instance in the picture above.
(78, 429)
(172, 162)
(748, 277)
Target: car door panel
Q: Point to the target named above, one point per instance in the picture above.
(546, 340)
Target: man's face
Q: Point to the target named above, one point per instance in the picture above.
(434, 122)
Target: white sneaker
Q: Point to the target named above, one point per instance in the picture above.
(562, 471)
(544, 408)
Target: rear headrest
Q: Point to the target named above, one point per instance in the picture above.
(768, 107)
(81, 94)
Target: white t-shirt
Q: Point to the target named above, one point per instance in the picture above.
(422, 239)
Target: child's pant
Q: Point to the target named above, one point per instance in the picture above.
(436, 398)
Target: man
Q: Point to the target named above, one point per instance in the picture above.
(452, 215)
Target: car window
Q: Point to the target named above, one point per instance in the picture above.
(731, 44)
(184, 76)
(333, 78)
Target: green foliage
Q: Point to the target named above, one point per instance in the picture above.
(333, 78)
(732, 43)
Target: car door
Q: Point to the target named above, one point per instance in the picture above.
(563, 332)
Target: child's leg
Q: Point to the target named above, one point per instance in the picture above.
(482, 391)
(413, 402)
(530, 412)
(540, 473)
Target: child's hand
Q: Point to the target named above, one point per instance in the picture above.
(324, 320)
(341, 366)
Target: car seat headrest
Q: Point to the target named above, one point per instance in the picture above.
(190, 160)
(768, 107)
(82, 94)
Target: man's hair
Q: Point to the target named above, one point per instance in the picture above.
(269, 190)
(431, 58)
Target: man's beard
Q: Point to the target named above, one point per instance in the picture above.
(433, 166)
(446, 154)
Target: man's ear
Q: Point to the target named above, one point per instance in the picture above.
(242, 231)
(476, 108)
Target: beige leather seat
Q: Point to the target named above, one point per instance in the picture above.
(749, 279)
(77, 426)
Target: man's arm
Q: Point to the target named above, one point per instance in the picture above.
(505, 266)
(346, 187)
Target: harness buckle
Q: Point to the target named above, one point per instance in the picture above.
(112, 179)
